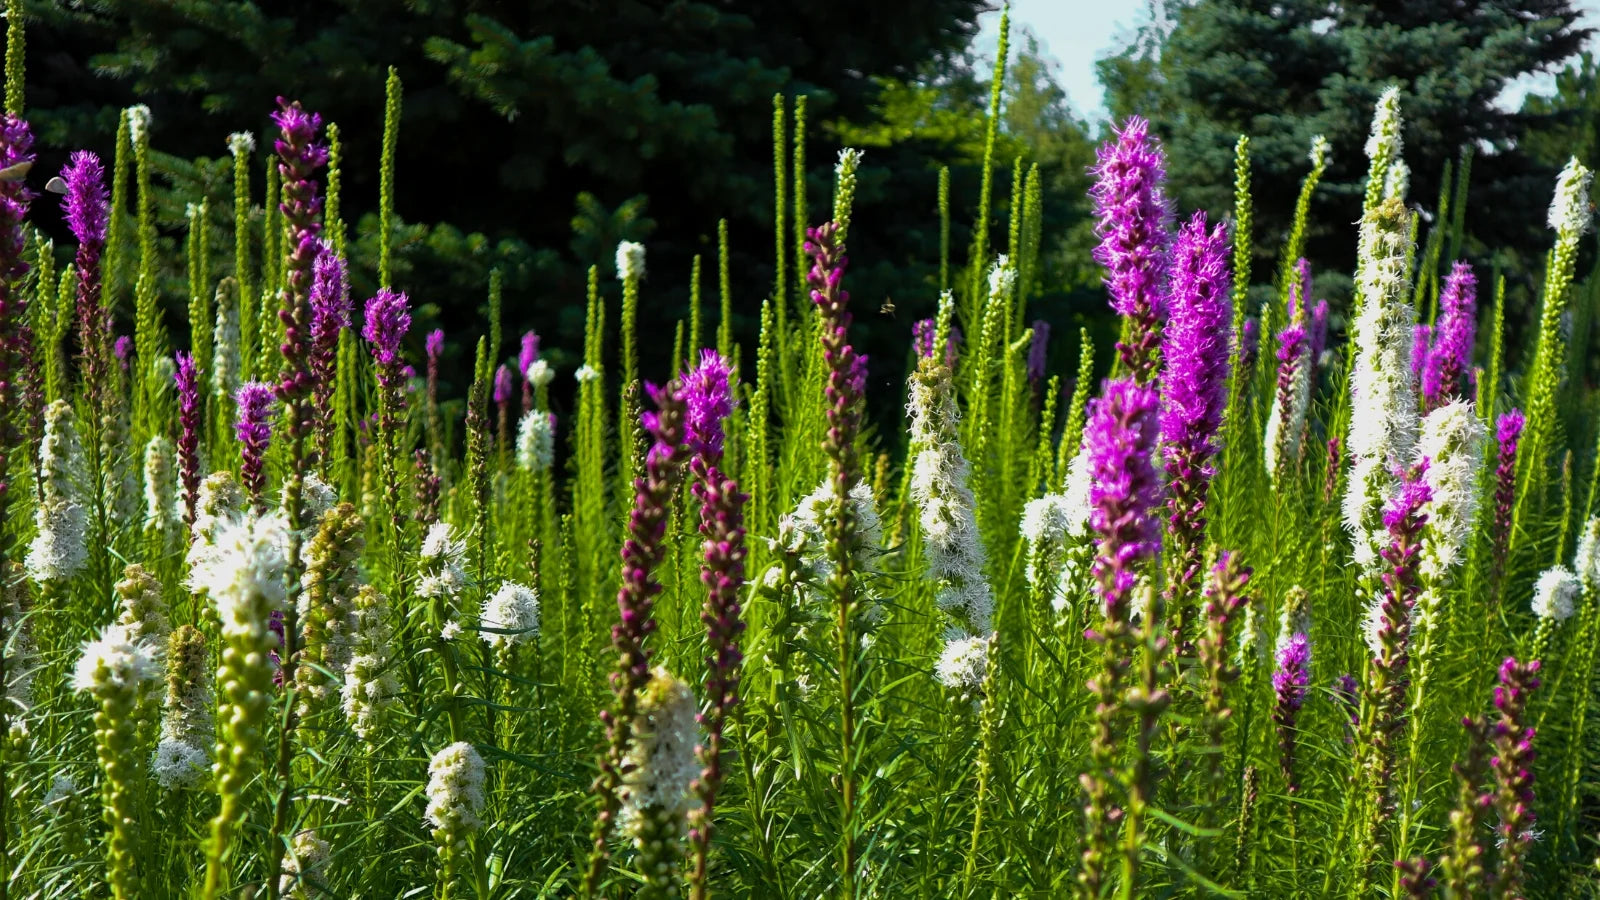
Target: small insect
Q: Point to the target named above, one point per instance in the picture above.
(56, 185)
(888, 307)
(16, 172)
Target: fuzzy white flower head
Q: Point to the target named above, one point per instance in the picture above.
(1321, 151)
(1569, 208)
(241, 142)
(514, 609)
(316, 496)
(1386, 124)
(536, 441)
(1075, 494)
(586, 373)
(455, 788)
(805, 528)
(138, 122)
(61, 521)
(1003, 277)
(1284, 426)
(1452, 441)
(1587, 560)
(244, 572)
(304, 865)
(963, 664)
(62, 790)
(225, 339)
(58, 550)
(115, 662)
(178, 766)
(630, 260)
(1397, 180)
(539, 373)
(450, 631)
(443, 558)
(1372, 629)
(160, 484)
(849, 161)
(1383, 397)
(661, 764)
(1555, 593)
(1046, 519)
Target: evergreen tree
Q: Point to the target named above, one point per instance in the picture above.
(1285, 70)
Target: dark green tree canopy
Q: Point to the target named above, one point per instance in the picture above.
(1286, 70)
(630, 118)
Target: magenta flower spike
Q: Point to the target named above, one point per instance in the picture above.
(16, 339)
(1512, 765)
(1194, 351)
(525, 360)
(1388, 626)
(88, 212)
(1038, 350)
(1289, 682)
(1125, 491)
(1133, 224)
(922, 337)
(1450, 359)
(388, 318)
(187, 379)
(300, 155)
(708, 396)
(1317, 334)
(1421, 341)
(1507, 433)
(1249, 343)
(330, 314)
(502, 385)
(642, 552)
(256, 403)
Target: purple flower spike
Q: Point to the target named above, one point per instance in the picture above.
(1300, 295)
(529, 354)
(502, 385)
(1134, 220)
(1318, 333)
(1038, 350)
(708, 392)
(300, 155)
(1508, 430)
(434, 345)
(1194, 348)
(388, 318)
(254, 430)
(187, 379)
(1450, 359)
(708, 397)
(88, 212)
(1121, 441)
(18, 372)
(1388, 626)
(643, 549)
(1249, 344)
(87, 205)
(922, 336)
(123, 351)
(330, 313)
(1512, 765)
(1289, 682)
(1421, 339)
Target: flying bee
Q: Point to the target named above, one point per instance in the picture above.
(16, 172)
(888, 307)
